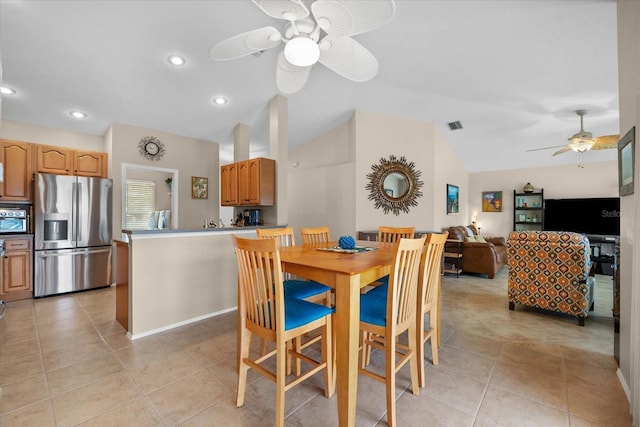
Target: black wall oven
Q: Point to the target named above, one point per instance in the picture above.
(14, 221)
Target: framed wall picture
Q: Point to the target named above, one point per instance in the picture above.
(492, 201)
(199, 187)
(626, 162)
(453, 199)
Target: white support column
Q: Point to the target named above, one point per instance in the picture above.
(279, 150)
(241, 134)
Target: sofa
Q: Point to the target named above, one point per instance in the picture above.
(481, 255)
(550, 270)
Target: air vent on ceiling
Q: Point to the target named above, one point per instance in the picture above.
(455, 125)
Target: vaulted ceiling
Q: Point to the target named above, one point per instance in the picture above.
(511, 71)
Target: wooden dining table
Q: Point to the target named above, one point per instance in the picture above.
(347, 273)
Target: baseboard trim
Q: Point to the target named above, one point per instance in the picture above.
(178, 324)
(624, 385)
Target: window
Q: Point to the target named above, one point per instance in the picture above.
(141, 203)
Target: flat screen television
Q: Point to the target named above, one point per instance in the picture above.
(594, 216)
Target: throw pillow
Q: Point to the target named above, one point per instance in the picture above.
(470, 239)
(479, 238)
(469, 231)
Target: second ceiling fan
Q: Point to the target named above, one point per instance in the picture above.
(583, 141)
(324, 37)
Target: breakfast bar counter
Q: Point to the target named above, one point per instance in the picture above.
(176, 276)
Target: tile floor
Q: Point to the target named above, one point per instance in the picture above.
(65, 361)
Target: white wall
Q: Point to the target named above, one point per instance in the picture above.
(569, 181)
(25, 132)
(191, 157)
(629, 100)
(448, 169)
(321, 184)
(378, 135)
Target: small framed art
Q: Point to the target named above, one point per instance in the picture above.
(453, 199)
(492, 201)
(199, 187)
(626, 162)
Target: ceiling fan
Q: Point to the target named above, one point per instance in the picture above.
(582, 141)
(324, 37)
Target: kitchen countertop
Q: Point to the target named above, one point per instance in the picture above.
(163, 231)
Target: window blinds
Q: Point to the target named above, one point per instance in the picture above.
(141, 202)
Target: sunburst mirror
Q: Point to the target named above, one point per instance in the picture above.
(394, 185)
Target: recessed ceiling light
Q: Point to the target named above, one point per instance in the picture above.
(219, 100)
(7, 90)
(176, 60)
(77, 114)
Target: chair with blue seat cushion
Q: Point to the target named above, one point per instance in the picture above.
(383, 320)
(266, 313)
(295, 288)
(390, 235)
(428, 298)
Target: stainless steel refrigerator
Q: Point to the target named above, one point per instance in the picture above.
(72, 226)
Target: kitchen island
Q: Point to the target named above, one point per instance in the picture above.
(173, 277)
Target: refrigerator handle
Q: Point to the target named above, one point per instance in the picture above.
(74, 211)
(77, 216)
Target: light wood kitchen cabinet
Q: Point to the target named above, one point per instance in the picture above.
(229, 185)
(56, 160)
(17, 160)
(90, 163)
(65, 161)
(16, 265)
(256, 182)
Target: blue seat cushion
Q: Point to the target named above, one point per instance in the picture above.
(301, 289)
(380, 290)
(298, 313)
(373, 309)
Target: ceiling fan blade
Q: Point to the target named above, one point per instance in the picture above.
(546, 148)
(290, 78)
(348, 58)
(245, 44)
(349, 17)
(564, 150)
(291, 10)
(606, 142)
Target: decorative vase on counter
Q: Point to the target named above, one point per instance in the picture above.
(528, 188)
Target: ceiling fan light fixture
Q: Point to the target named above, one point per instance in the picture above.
(302, 51)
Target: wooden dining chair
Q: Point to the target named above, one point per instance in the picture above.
(389, 235)
(265, 312)
(393, 234)
(315, 235)
(295, 288)
(428, 295)
(383, 320)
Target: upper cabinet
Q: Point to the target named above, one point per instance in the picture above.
(248, 183)
(17, 160)
(90, 163)
(65, 161)
(229, 185)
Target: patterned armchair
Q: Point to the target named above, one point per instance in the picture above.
(550, 270)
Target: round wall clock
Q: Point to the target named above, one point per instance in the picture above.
(151, 148)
